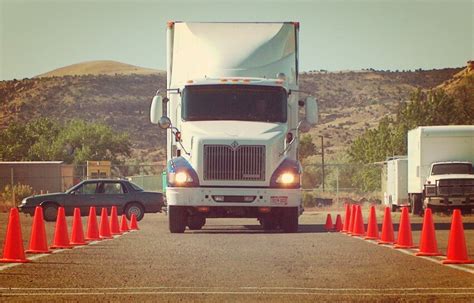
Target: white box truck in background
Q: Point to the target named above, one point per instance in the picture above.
(232, 123)
(396, 194)
(440, 167)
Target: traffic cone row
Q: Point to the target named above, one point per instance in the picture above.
(457, 250)
(13, 251)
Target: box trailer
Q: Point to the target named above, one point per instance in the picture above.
(396, 194)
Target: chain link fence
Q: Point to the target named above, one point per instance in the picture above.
(322, 185)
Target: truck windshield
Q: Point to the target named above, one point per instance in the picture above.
(452, 168)
(234, 102)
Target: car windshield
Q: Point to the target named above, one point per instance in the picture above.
(136, 187)
(452, 168)
(234, 102)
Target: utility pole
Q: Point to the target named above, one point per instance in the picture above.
(322, 157)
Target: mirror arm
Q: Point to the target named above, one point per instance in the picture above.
(173, 131)
(288, 147)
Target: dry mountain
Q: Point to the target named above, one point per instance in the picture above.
(119, 95)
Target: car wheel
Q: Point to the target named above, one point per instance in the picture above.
(177, 219)
(196, 222)
(289, 220)
(134, 208)
(50, 212)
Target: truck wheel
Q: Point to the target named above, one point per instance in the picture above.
(394, 208)
(416, 205)
(289, 220)
(177, 219)
(269, 223)
(196, 222)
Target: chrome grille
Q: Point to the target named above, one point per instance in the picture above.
(245, 162)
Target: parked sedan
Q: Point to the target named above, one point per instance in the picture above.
(127, 196)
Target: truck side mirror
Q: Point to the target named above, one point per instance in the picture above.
(311, 110)
(156, 110)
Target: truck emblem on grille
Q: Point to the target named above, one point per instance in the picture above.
(234, 145)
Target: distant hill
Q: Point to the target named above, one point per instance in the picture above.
(99, 68)
(350, 102)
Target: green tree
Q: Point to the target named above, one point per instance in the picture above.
(306, 147)
(75, 142)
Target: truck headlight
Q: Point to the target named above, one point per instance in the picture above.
(182, 177)
(287, 178)
(287, 175)
(181, 174)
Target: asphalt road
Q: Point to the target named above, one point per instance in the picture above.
(234, 260)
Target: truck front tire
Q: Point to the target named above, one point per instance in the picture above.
(196, 222)
(178, 218)
(416, 203)
(289, 220)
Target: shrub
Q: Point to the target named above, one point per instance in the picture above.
(21, 191)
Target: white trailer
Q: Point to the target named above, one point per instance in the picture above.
(232, 123)
(397, 182)
(440, 172)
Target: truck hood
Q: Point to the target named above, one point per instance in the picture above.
(435, 178)
(231, 130)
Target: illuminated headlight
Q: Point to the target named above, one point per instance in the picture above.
(287, 178)
(182, 177)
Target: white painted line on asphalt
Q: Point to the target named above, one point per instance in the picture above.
(405, 289)
(469, 268)
(384, 294)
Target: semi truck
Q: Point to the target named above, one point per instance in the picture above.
(396, 194)
(232, 116)
(440, 167)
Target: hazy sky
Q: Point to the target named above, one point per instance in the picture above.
(38, 35)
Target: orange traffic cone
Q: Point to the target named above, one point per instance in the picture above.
(347, 218)
(77, 236)
(387, 228)
(92, 226)
(338, 224)
(328, 226)
(372, 227)
(124, 225)
(13, 251)
(457, 250)
(428, 243)
(353, 215)
(38, 241)
(114, 223)
(359, 229)
(61, 237)
(404, 239)
(104, 230)
(133, 223)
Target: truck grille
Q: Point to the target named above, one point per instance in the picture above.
(245, 162)
(456, 187)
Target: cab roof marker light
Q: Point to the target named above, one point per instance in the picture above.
(190, 81)
(170, 24)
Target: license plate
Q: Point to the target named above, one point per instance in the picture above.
(279, 200)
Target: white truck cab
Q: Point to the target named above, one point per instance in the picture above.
(232, 123)
(450, 183)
